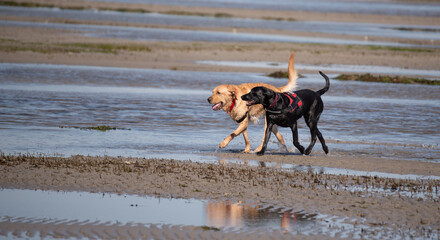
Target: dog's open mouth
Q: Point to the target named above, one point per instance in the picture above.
(217, 106)
(250, 103)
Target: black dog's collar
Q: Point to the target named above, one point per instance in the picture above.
(274, 101)
(242, 119)
(274, 112)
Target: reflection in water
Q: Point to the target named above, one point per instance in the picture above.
(238, 215)
(36, 206)
(225, 214)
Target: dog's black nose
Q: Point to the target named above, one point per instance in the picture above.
(209, 99)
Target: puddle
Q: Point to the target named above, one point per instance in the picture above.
(330, 67)
(98, 208)
(34, 214)
(357, 29)
(158, 34)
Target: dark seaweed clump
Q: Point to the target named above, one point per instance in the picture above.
(102, 128)
(386, 79)
(281, 74)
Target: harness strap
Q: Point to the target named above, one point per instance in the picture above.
(291, 100)
(243, 118)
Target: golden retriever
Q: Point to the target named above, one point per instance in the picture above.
(228, 98)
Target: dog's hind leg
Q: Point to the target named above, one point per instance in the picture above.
(246, 140)
(321, 139)
(312, 123)
(296, 143)
(314, 132)
(279, 137)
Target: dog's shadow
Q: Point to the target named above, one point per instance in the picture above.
(270, 153)
(282, 154)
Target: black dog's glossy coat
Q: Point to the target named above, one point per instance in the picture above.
(284, 115)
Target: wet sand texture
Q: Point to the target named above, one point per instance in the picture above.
(182, 179)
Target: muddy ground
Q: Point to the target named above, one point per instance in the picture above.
(312, 192)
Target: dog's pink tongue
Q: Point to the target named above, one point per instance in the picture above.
(216, 107)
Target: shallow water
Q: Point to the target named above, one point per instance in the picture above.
(177, 35)
(164, 113)
(365, 7)
(357, 29)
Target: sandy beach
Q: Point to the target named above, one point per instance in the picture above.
(40, 46)
(386, 208)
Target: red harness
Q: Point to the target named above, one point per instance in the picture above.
(291, 100)
(299, 104)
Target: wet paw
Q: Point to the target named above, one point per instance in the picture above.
(301, 149)
(258, 149)
(284, 148)
(223, 144)
(307, 151)
(260, 153)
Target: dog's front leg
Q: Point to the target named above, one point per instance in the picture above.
(280, 138)
(266, 138)
(277, 134)
(296, 143)
(241, 127)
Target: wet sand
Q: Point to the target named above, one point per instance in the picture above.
(321, 193)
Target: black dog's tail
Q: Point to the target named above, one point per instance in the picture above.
(327, 84)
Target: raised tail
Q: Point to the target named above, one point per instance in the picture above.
(327, 84)
(293, 75)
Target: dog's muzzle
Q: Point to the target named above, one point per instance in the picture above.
(250, 103)
(216, 106)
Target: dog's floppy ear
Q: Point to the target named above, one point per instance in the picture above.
(233, 91)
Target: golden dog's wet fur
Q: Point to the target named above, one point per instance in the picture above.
(226, 94)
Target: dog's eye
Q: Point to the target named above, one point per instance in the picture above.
(218, 92)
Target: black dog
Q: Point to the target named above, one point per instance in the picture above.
(284, 109)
